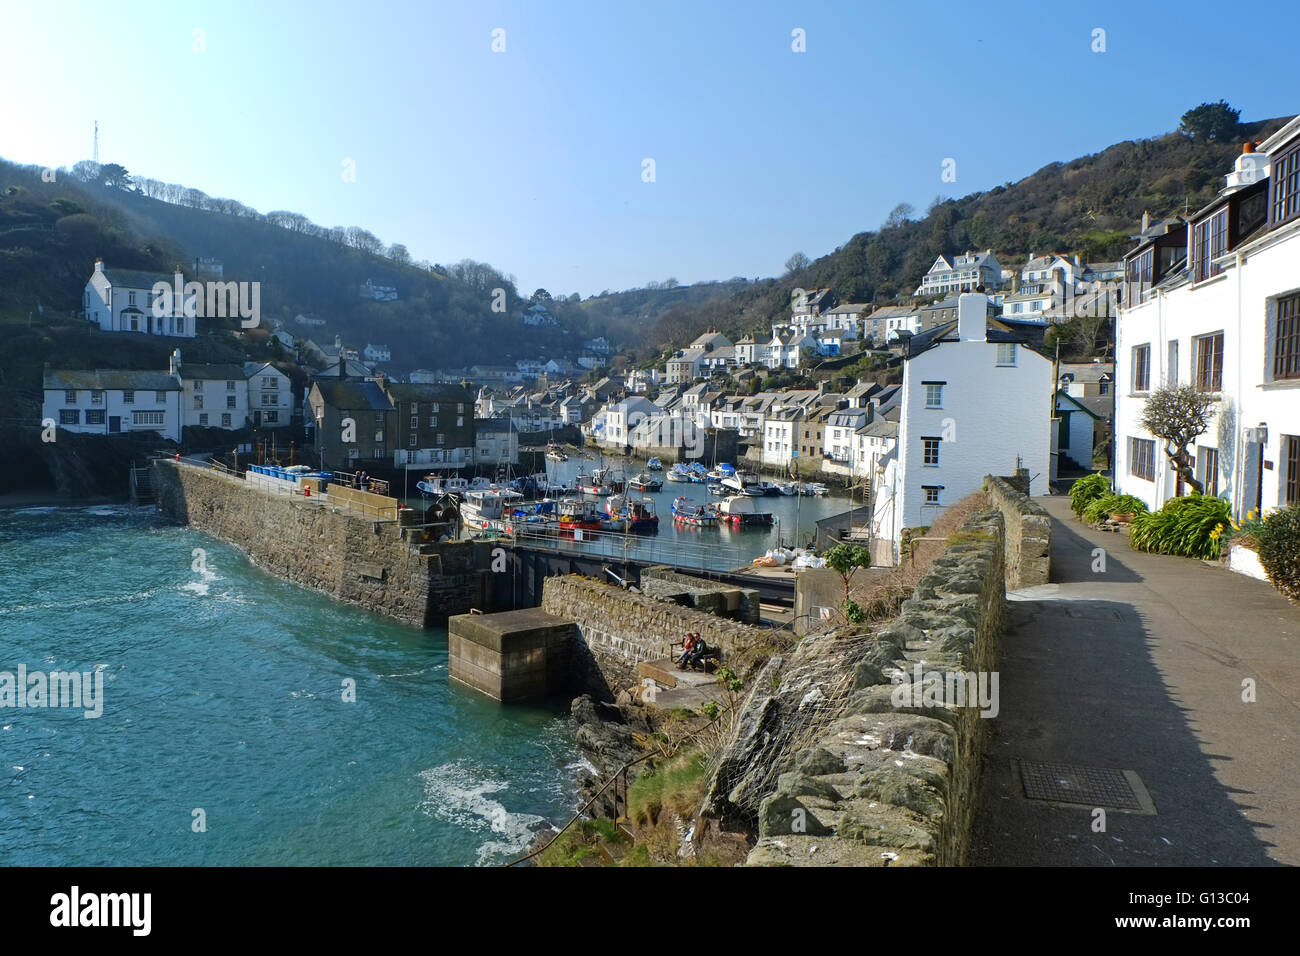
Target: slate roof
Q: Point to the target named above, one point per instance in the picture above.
(210, 373)
(136, 279)
(405, 392)
(349, 395)
(105, 379)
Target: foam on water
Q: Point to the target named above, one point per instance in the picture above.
(457, 794)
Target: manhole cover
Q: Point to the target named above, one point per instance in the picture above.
(1086, 786)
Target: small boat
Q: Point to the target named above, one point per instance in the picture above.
(690, 512)
(630, 514)
(555, 453)
(588, 485)
(718, 488)
(739, 510)
(654, 464)
(645, 482)
(818, 489)
(786, 488)
(482, 509)
(577, 514)
(678, 473)
(743, 483)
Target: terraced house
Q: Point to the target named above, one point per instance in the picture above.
(1214, 300)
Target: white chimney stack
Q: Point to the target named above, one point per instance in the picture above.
(972, 316)
(1250, 168)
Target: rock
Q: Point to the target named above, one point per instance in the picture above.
(819, 762)
(781, 814)
(795, 783)
(897, 786)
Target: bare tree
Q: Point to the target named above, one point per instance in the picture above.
(796, 263)
(899, 215)
(1178, 415)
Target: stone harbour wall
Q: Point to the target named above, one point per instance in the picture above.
(1029, 534)
(374, 564)
(840, 758)
(622, 629)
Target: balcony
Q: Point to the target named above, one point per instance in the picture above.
(437, 457)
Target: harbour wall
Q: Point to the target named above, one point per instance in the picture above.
(377, 564)
(1028, 533)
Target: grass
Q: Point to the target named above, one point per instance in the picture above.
(579, 843)
(676, 785)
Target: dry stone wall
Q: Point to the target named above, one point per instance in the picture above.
(841, 757)
(1029, 534)
(373, 564)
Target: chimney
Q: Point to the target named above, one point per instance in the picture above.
(1250, 168)
(99, 265)
(175, 365)
(1146, 221)
(1077, 263)
(972, 317)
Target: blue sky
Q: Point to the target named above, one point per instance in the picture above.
(532, 159)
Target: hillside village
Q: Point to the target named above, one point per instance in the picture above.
(965, 384)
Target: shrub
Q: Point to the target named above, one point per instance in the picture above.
(1191, 526)
(1087, 490)
(1099, 509)
(1279, 549)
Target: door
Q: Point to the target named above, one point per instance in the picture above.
(114, 424)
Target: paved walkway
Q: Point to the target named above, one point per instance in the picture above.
(1141, 668)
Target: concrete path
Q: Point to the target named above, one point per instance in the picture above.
(1140, 668)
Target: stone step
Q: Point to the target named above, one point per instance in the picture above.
(665, 673)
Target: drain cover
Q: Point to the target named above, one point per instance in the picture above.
(1085, 786)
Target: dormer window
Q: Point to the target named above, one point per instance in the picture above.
(1284, 187)
(1209, 241)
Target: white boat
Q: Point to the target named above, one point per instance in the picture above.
(739, 509)
(743, 483)
(481, 508)
(786, 488)
(678, 473)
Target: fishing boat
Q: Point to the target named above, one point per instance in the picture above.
(740, 510)
(589, 485)
(721, 471)
(645, 482)
(614, 481)
(486, 509)
(786, 488)
(577, 514)
(434, 485)
(690, 512)
(654, 464)
(743, 483)
(555, 453)
(678, 472)
(630, 514)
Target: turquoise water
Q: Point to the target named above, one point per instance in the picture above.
(223, 691)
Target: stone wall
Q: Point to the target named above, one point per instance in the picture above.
(622, 629)
(1029, 534)
(725, 600)
(378, 565)
(834, 762)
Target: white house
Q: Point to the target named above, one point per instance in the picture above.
(270, 395)
(377, 353)
(786, 348)
(781, 436)
(216, 396)
(114, 401)
(496, 441)
(962, 273)
(1215, 302)
(122, 300)
(624, 416)
(975, 402)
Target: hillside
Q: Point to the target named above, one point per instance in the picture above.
(1090, 205)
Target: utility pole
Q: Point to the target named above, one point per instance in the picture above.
(96, 148)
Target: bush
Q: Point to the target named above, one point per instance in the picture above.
(1279, 549)
(1099, 509)
(1191, 526)
(1087, 490)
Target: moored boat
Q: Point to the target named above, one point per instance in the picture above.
(645, 482)
(689, 511)
(740, 510)
(678, 473)
(630, 514)
(654, 464)
(577, 514)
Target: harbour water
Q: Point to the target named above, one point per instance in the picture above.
(223, 704)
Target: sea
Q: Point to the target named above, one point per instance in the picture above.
(244, 720)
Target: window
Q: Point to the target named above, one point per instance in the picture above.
(272, 417)
(203, 419)
(198, 386)
(1209, 241)
(460, 421)
(930, 451)
(198, 401)
(379, 435)
(933, 394)
(931, 494)
(1286, 338)
(1209, 362)
(1171, 366)
(441, 440)
(1141, 368)
(1103, 387)
(160, 397)
(230, 401)
(1291, 468)
(147, 418)
(433, 421)
(433, 407)
(230, 386)
(415, 423)
(1141, 458)
(128, 397)
(69, 416)
(1137, 277)
(412, 440)
(70, 396)
(225, 419)
(266, 399)
(460, 407)
(378, 452)
(354, 453)
(96, 397)
(1284, 185)
(1006, 353)
(1207, 470)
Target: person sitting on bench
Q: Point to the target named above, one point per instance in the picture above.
(688, 650)
(697, 652)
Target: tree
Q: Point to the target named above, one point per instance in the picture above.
(1177, 415)
(796, 263)
(540, 296)
(87, 171)
(399, 254)
(898, 215)
(1210, 121)
(845, 560)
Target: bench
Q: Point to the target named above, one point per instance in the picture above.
(707, 662)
